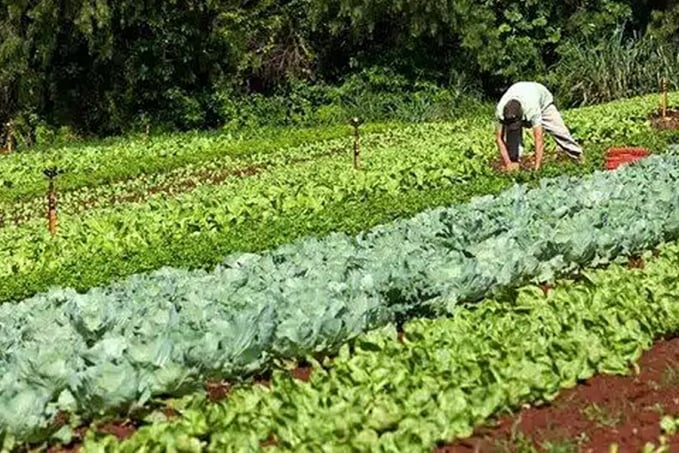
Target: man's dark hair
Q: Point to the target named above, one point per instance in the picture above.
(513, 123)
(513, 114)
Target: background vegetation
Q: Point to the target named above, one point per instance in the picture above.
(100, 67)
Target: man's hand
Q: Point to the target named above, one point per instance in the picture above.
(512, 166)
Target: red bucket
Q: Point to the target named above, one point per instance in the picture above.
(616, 157)
(628, 151)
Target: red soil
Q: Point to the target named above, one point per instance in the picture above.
(670, 122)
(217, 390)
(121, 429)
(302, 373)
(604, 411)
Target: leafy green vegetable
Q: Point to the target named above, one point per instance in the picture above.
(116, 161)
(446, 377)
(164, 333)
(668, 427)
(405, 171)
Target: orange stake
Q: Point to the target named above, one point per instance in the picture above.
(51, 173)
(52, 210)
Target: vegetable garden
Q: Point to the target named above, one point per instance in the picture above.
(221, 293)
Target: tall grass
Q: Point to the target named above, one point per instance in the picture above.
(616, 67)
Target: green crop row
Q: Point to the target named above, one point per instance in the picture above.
(228, 171)
(446, 377)
(167, 332)
(74, 202)
(404, 172)
(93, 164)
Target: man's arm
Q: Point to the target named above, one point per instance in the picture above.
(500, 141)
(539, 145)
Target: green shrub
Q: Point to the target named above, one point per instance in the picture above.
(374, 94)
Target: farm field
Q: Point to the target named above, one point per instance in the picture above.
(193, 216)
(420, 314)
(436, 379)
(339, 226)
(414, 299)
(107, 162)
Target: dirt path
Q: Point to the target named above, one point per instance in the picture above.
(604, 411)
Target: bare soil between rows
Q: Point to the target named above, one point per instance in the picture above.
(669, 122)
(606, 410)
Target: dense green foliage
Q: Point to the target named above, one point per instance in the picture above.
(405, 170)
(107, 66)
(167, 332)
(444, 378)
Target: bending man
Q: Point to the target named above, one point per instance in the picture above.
(530, 105)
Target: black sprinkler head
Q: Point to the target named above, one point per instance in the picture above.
(52, 172)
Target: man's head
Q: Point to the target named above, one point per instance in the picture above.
(513, 124)
(513, 115)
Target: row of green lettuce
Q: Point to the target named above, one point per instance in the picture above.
(447, 377)
(92, 164)
(166, 332)
(76, 202)
(405, 171)
(233, 177)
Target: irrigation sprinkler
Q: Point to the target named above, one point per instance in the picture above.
(10, 137)
(356, 123)
(51, 174)
(9, 145)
